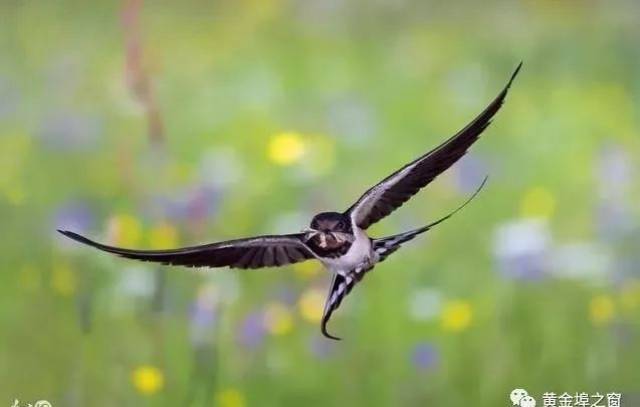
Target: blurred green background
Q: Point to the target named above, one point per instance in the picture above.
(173, 123)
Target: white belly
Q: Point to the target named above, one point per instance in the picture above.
(360, 252)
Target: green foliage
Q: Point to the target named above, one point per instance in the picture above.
(271, 111)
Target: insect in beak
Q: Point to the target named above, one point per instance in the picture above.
(342, 237)
(309, 233)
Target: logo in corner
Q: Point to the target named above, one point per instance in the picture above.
(520, 398)
(39, 403)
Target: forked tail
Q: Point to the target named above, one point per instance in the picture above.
(387, 245)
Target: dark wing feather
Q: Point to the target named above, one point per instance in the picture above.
(397, 188)
(251, 253)
(340, 287)
(387, 245)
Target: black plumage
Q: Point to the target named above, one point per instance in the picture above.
(252, 253)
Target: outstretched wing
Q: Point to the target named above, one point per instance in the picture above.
(396, 189)
(340, 287)
(387, 245)
(250, 253)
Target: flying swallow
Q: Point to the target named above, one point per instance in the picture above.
(337, 239)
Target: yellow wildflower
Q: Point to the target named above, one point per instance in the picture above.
(163, 236)
(148, 380)
(456, 316)
(311, 305)
(125, 230)
(63, 280)
(230, 398)
(278, 319)
(538, 202)
(601, 310)
(286, 148)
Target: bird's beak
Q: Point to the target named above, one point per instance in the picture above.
(343, 237)
(309, 233)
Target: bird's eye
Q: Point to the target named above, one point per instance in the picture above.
(341, 225)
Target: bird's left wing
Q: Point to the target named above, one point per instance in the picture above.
(250, 253)
(340, 287)
(396, 189)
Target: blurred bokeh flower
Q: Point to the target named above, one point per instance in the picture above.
(286, 148)
(135, 280)
(456, 316)
(197, 203)
(203, 314)
(147, 379)
(522, 248)
(163, 236)
(124, 230)
(425, 304)
(538, 202)
(252, 330)
(202, 203)
(278, 319)
(614, 174)
(425, 356)
(602, 310)
(311, 304)
(63, 280)
(230, 398)
(589, 261)
(76, 216)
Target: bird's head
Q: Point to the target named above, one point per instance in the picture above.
(330, 230)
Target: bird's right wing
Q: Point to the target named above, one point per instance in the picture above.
(392, 192)
(250, 253)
